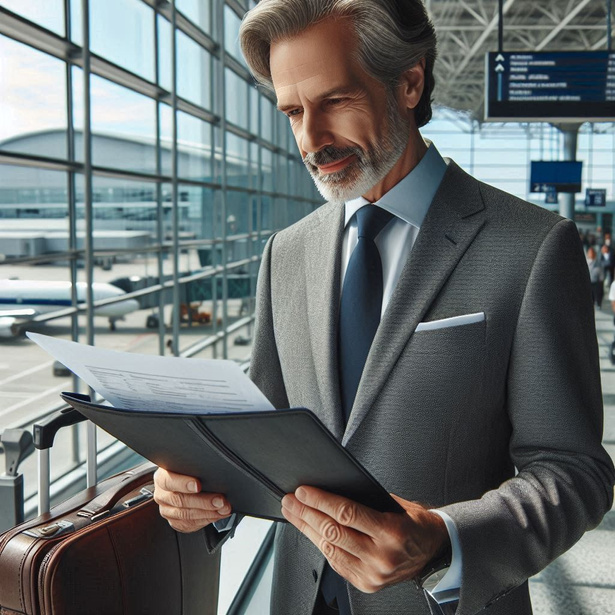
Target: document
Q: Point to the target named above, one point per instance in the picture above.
(207, 419)
(170, 384)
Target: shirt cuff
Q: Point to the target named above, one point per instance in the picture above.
(224, 525)
(447, 590)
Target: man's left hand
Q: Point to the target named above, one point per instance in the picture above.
(371, 550)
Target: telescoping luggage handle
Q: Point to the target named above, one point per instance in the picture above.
(44, 433)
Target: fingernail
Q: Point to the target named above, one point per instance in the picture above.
(218, 502)
(225, 511)
(301, 494)
(192, 486)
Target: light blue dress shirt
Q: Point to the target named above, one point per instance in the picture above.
(409, 201)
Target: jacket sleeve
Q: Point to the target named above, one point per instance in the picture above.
(564, 483)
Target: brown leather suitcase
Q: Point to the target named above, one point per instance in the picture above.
(107, 551)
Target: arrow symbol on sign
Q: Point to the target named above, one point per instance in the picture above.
(499, 58)
(499, 68)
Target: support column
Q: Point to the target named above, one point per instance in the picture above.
(571, 133)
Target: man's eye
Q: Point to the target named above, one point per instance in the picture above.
(293, 113)
(335, 101)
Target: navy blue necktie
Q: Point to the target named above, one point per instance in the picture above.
(361, 303)
(360, 311)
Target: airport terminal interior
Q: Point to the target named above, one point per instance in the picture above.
(142, 171)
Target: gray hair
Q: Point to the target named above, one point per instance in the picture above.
(393, 36)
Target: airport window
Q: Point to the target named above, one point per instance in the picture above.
(199, 225)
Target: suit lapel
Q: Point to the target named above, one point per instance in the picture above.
(454, 218)
(322, 272)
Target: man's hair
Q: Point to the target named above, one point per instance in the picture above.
(393, 35)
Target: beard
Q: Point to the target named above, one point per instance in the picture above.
(368, 168)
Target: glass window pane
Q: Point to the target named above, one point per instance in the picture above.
(33, 95)
(267, 115)
(236, 99)
(197, 11)
(231, 34)
(196, 206)
(193, 71)
(267, 169)
(33, 211)
(164, 53)
(46, 13)
(254, 113)
(122, 31)
(237, 171)
(194, 145)
(125, 213)
(123, 125)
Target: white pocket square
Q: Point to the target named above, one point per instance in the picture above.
(453, 321)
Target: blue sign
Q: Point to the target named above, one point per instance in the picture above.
(553, 86)
(595, 197)
(551, 196)
(548, 176)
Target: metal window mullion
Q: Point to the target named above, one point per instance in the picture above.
(159, 208)
(89, 230)
(174, 182)
(221, 89)
(72, 219)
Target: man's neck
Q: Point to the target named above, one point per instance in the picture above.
(411, 156)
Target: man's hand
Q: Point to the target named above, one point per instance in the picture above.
(183, 505)
(371, 550)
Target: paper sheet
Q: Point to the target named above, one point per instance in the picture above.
(147, 382)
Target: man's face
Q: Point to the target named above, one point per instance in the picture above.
(347, 126)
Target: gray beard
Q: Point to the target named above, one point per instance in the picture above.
(369, 168)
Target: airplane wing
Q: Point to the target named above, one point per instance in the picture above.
(11, 319)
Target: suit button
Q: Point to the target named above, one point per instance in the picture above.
(315, 575)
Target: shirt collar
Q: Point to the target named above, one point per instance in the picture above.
(410, 198)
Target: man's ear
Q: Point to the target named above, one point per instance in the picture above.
(411, 84)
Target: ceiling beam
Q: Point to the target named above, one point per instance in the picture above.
(482, 38)
(562, 24)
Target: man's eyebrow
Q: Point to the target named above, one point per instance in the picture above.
(334, 92)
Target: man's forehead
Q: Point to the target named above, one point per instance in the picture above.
(311, 79)
(314, 59)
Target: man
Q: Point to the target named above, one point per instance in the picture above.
(483, 362)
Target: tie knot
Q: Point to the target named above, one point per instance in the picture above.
(371, 219)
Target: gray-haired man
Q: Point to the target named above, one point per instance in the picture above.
(483, 362)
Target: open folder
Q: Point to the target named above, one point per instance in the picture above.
(207, 419)
(254, 458)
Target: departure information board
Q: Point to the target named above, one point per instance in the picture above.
(550, 86)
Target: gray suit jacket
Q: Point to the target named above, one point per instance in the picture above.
(445, 416)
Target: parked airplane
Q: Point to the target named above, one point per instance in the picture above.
(23, 300)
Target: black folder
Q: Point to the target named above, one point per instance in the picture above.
(254, 458)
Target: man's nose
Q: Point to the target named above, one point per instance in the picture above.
(316, 133)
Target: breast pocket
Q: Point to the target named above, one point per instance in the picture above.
(441, 370)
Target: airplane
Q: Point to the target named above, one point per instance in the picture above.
(23, 300)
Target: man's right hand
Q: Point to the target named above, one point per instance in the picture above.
(183, 505)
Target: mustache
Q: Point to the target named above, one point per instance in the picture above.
(330, 154)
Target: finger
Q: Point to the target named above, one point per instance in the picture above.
(170, 513)
(346, 512)
(324, 530)
(199, 501)
(342, 561)
(171, 481)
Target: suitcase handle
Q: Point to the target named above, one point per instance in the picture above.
(104, 503)
(44, 432)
